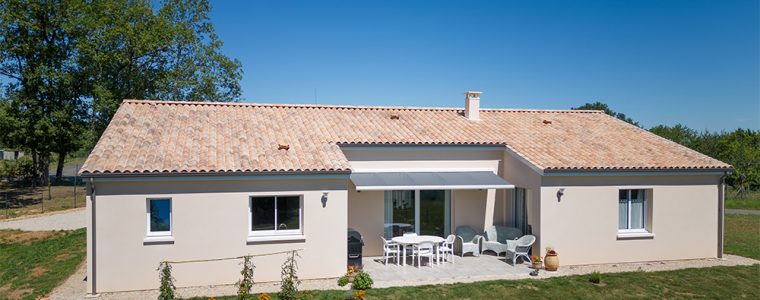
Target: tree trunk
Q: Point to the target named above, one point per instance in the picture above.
(44, 168)
(59, 167)
(35, 163)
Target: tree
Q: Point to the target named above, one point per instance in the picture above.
(136, 52)
(741, 148)
(37, 50)
(678, 133)
(68, 63)
(603, 107)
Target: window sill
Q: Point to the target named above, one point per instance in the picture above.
(635, 235)
(168, 239)
(275, 238)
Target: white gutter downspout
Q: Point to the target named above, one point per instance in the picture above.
(721, 212)
(91, 242)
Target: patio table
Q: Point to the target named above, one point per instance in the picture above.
(410, 240)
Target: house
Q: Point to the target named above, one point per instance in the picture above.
(10, 154)
(191, 181)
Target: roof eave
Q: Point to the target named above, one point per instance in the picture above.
(639, 172)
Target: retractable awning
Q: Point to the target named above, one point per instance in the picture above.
(428, 181)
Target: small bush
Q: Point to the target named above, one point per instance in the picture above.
(246, 283)
(362, 281)
(595, 278)
(343, 281)
(166, 291)
(290, 282)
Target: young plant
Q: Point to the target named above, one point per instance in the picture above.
(343, 280)
(246, 283)
(166, 291)
(595, 277)
(362, 281)
(535, 259)
(289, 283)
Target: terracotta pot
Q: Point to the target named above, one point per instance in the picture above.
(551, 262)
(537, 265)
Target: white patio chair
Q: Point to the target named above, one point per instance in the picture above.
(424, 249)
(390, 249)
(468, 241)
(446, 248)
(520, 247)
(496, 238)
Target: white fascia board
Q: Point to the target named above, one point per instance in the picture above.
(433, 187)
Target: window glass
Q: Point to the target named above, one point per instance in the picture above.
(623, 214)
(262, 213)
(160, 215)
(637, 209)
(288, 212)
(631, 209)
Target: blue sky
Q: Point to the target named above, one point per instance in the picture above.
(660, 62)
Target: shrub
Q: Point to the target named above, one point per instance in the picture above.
(166, 291)
(362, 281)
(595, 278)
(343, 280)
(289, 283)
(246, 283)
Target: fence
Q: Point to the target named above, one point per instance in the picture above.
(22, 198)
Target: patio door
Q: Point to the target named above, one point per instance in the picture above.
(425, 212)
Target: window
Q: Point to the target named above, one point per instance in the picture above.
(159, 217)
(632, 211)
(425, 212)
(275, 215)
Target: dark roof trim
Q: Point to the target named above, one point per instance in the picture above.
(638, 172)
(174, 176)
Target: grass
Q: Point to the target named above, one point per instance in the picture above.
(750, 201)
(32, 263)
(26, 201)
(742, 235)
(715, 282)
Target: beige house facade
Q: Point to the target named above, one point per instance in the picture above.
(181, 182)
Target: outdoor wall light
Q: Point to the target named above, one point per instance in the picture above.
(560, 193)
(324, 199)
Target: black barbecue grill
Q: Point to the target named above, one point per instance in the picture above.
(355, 244)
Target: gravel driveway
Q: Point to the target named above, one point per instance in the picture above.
(67, 220)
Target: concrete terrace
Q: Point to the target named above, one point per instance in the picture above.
(463, 269)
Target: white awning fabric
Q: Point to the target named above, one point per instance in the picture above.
(428, 181)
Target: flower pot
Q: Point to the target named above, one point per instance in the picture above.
(551, 262)
(537, 265)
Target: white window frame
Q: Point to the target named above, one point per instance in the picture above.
(276, 234)
(159, 236)
(628, 229)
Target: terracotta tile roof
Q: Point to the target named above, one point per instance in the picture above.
(202, 137)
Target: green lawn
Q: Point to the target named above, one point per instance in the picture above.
(32, 263)
(742, 235)
(715, 282)
(750, 201)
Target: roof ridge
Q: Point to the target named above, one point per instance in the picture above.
(335, 106)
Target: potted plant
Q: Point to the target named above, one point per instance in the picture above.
(536, 261)
(551, 261)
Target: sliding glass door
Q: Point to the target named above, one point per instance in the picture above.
(425, 212)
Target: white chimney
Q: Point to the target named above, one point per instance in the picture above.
(472, 105)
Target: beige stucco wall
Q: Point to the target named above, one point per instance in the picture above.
(366, 215)
(210, 220)
(421, 160)
(583, 225)
(521, 175)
